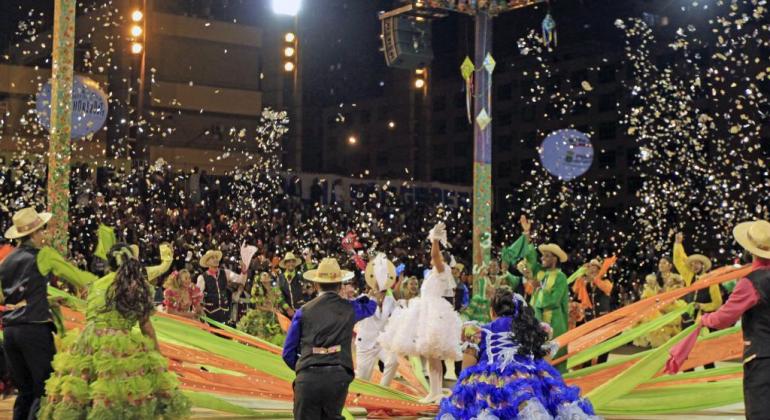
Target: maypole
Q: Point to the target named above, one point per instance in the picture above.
(59, 149)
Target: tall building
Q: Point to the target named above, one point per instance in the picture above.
(207, 69)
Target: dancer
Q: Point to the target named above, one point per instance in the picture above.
(291, 283)
(691, 268)
(547, 283)
(750, 302)
(111, 370)
(380, 276)
(262, 320)
(669, 281)
(216, 284)
(505, 376)
(181, 297)
(318, 344)
(592, 291)
(429, 327)
(27, 321)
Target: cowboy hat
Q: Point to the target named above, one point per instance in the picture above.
(211, 259)
(702, 258)
(25, 222)
(754, 237)
(596, 262)
(459, 267)
(328, 271)
(380, 273)
(289, 256)
(555, 250)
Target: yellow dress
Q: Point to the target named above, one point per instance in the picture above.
(662, 335)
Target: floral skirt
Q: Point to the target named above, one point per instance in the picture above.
(105, 373)
(529, 390)
(262, 324)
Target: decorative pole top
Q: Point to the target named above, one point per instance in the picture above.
(471, 7)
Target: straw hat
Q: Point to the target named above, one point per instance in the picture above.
(754, 237)
(211, 259)
(382, 269)
(555, 250)
(459, 267)
(595, 262)
(289, 256)
(328, 271)
(25, 222)
(702, 258)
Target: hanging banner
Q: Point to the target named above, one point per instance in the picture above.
(89, 107)
(566, 154)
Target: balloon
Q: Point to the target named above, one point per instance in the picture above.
(89, 107)
(566, 154)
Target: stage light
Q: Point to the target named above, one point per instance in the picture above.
(352, 140)
(288, 52)
(137, 15)
(288, 66)
(287, 7)
(136, 31)
(391, 124)
(289, 37)
(136, 47)
(419, 83)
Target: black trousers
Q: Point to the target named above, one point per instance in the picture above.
(756, 388)
(29, 351)
(320, 392)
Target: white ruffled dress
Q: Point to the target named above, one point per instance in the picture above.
(429, 326)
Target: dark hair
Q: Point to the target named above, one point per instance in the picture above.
(330, 287)
(525, 327)
(658, 274)
(130, 293)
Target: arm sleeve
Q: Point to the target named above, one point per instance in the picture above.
(716, 299)
(680, 262)
(50, 261)
(606, 286)
(291, 345)
(364, 307)
(554, 296)
(744, 297)
(166, 258)
(232, 277)
(201, 283)
(106, 240)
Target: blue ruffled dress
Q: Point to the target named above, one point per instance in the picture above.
(506, 385)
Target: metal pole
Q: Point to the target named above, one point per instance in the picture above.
(482, 144)
(59, 148)
(297, 98)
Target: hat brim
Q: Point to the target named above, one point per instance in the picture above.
(371, 280)
(312, 275)
(208, 259)
(741, 235)
(702, 259)
(555, 250)
(13, 233)
(282, 264)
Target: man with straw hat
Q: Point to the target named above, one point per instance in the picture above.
(749, 302)
(217, 285)
(27, 319)
(290, 281)
(318, 344)
(380, 276)
(691, 268)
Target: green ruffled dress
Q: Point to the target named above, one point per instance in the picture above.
(111, 371)
(261, 321)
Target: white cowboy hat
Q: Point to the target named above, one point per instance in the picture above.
(754, 237)
(25, 222)
(211, 259)
(555, 250)
(328, 271)
(702, 258)
(289, 256)
(380, 273)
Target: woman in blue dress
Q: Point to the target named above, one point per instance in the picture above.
(504, 375)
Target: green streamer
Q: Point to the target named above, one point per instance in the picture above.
(676, 399)
(211, 402)
(624, 338)
(641, 371)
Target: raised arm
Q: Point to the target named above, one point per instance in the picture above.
(435, 256)
(166, 258)
(680, 260)
(50, 261)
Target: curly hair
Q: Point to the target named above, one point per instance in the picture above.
(130, 294)
(525, 327)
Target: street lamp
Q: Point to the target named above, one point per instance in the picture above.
(287, 7)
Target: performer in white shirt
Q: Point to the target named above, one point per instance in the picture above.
(217, 285)
(380, 276)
